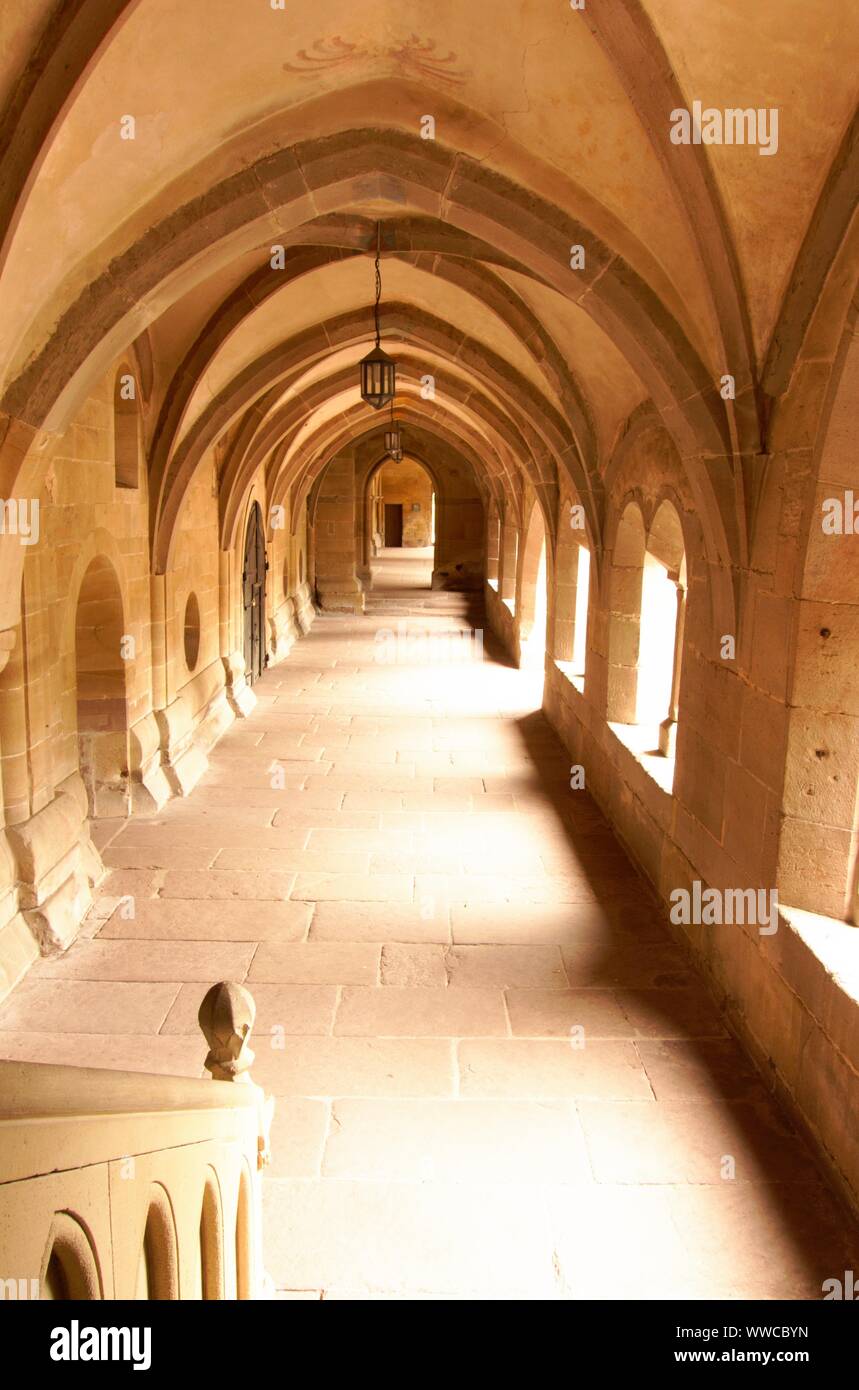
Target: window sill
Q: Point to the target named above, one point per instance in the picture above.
(576, 678)
(642, 741)
(835, 943)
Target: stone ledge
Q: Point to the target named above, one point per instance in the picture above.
(819, 958)
(575, 678)
(638, 740)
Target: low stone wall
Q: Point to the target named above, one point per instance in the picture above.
(117, 1185)
(792, 996)
(501, 621)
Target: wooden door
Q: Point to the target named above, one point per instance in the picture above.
(393, 523)
(253, 594)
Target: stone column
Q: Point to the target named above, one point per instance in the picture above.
(365, 522)
(18, 948)
(668, 727)
(240, 697)
(509, 554)
(493, 545)
(337, 583)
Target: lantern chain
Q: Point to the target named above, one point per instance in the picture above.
(378, 279)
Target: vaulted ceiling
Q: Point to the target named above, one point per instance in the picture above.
(302, 127)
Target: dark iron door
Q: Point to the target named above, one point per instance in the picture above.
(253, 593)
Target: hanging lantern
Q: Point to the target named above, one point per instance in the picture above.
(393, 439)
(378, 370)
(378, 377)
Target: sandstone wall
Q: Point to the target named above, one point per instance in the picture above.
(119, 680)
(718, 810)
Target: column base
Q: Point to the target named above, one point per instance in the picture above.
(668, 738)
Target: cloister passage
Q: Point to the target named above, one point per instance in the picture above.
(340, 347)
(495, 1075)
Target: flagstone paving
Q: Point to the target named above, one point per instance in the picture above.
(496, 1075)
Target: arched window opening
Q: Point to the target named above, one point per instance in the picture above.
(663, 619)
(571, 593)
(656, 652)
(648, 608)
(580, 620)
(126, 431)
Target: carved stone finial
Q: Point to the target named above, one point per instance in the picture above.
(226, 1017)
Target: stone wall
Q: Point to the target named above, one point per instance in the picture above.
(714, 812)
(117, 681)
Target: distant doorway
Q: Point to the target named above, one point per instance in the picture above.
(399, 527)
(253, 595)
(393, 524)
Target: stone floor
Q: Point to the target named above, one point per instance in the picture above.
(404, 568)
(495, 1075)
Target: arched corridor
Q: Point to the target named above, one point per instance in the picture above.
(495, 1073)
(429, 578)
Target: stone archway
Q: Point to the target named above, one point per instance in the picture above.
(404, 492)
(102, 650)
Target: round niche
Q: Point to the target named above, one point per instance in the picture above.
(192, 631)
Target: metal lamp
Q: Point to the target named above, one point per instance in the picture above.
(378, 370)
(393, 439)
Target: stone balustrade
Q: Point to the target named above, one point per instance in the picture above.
(127, 1185)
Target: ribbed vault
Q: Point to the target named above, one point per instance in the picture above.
(538, 360)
